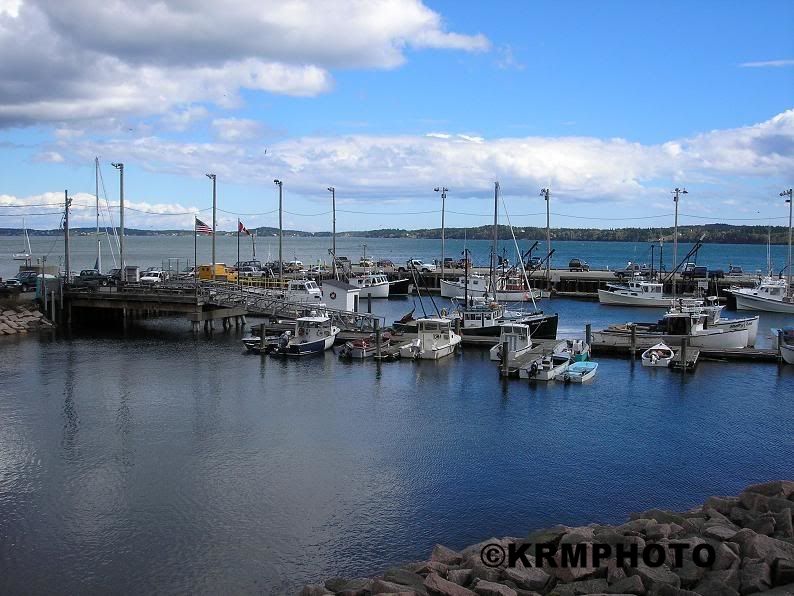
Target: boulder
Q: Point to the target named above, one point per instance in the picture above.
(782, 572)
(588, 586)
(406, 578)
(428, 567)
(754, 577)
(763, 524)
(459, 576)
(719, 532)
(486, 588)
(445, 555)
(719, 582)
(758, 546)
(529, 578)
(666, 590)
(380, 586)
(339, 584)
(776, 488)
(726, 557)
(628, 585)
(721, 504)
(315, 590)
(784, 529)
(489, 574)
(652, 576)
(436, 584)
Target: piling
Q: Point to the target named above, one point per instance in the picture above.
(504, 359)
(633, 341)
(780, 346)
(457, 325)
(588, 333)
(262, 337)
(369, 303)
(376, 326)
(684, 342)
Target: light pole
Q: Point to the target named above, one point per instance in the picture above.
(788, 193)
(214, 206)
(443, 190)
(676, 193)
(546, 193)
(280, 184)
(332, 190)
(120, 168)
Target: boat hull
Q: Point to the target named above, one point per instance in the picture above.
(456, 290)
(716, 339)
(632, 299)
(399, 287)
(375, 291)
(305, 348)
(788, 354)
(751, 302)
(429, 352)
(749, 323)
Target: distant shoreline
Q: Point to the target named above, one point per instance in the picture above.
(714, 233)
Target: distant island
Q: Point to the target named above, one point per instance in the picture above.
(715, 233)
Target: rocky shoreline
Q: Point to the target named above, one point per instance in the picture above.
(750, 537)
(21, 319)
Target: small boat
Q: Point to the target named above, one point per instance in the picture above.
(435, 339)
(399, 287)
(518, 341)
(770, 295)
(714, 319)
(635, 293)
(25, 255)
(579, 372)
(375, 285)
(304, 291)
(660, 355)
(254, 343)
(365, 347)
(313, 335)
(787, 344)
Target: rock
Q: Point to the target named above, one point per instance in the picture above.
(652, 576)
(657, 532)
(338, 584)
(776, 488)
(666, 590)
(628, 585)
(614, 573)
(445, 555)
(428, 567)
(754, 577)
(726, 557)
(689, 573)
(782, 572)
(435, 584)
(758, 546)
(763, 524)
(719, 532)
(571, 572)
(588, 586)
(781, 591)
(406, 578)
(636, 526)
(665, 517)
(472, 555)
(784, 528)
(380, 586)
(719, 582)
(315, 590)
(721, 504)
(530, 578)
(486, 588)
(754, 502)
(459, 576)
(740, 516)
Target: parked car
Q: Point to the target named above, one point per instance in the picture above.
(115, 275)
(248, 271)
(633, 270)
(463, 263)
(13, 283)
(253, 263)
(366, 262)
(716, 274)
(450, 263)
(92, 277)
(734, 271)
(154, 277)
(385, 264)
(295, 266)
(692, 271)
(578, 265)
(418, 265)
(534, 263)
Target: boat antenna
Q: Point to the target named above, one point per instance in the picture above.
(520, 259)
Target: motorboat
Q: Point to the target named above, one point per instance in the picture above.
(714, 319)
(303, 291)
(769, 295)
(659, 355)
(364, 347)
(518, 340)
(579, 372)
(254, 343)
(476, 285)
(787, 344)
(435, 339)
(399, 287)
(672, 329)
(635, 293)
(508, 288)
(546, 367)
(313, 335)
(375, 285)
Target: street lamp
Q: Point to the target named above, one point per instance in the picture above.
(676, 195)
(788, 193)
(332, 190)
(443, 190)
(214, 209)
(120, 168)
(279, 183)
(546, 193)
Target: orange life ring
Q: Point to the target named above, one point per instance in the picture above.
(332, 295)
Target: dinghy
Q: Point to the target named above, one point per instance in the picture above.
(579, 372)
(660, 355)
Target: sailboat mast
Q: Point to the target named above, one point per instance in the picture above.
(495, 237)
(98, 241)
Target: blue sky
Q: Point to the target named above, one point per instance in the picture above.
(612, 104)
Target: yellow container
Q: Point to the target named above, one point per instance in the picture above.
(222, 273)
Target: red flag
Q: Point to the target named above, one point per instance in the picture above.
(242, 228)
(203, 228)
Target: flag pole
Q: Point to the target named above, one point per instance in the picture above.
(239, 223)
(253, 244)
(195, 254)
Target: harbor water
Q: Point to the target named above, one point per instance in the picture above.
(162, 461)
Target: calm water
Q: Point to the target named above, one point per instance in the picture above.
(171, 463)
(147, 251)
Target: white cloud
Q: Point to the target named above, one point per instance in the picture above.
(49, 157)
(767, 64)
(236, 130)
(82, 60)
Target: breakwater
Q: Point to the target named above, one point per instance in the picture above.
(727, 546)
(21, 319)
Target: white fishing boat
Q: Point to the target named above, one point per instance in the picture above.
(477, 286)
(435, 339)
(303, 291)
(660, 355)
(313, 335)
(579, 372)
(518, 339)
(508, 288)
(672, 329)
(635, 293)
(714, 319)
(375, 285)
(770, 295)
(787, 344)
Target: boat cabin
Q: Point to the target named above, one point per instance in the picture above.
(516, 335)
(310, 329)
(372, 279)
(480, 313)
(303, 290)
(436, 327)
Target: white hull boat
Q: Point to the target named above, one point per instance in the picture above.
(478, 288)
(787, 344)
(518, 341)
(622, 298)
(313, 335)
(788, 354)
(435, 340)
(579, 372)
(659, 356)
(375, 285)
(763, 303)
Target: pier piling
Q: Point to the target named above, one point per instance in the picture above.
(684, 342)
(588, 333)
(633, 347)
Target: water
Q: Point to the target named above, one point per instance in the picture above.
(172, 463)
(153, 250)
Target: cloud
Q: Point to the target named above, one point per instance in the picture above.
(49, 157)
(366, 167)
(506, 59)
(80, 60)
(767, 64)
(236, 130)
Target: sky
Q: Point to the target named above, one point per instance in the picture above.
(609, 104)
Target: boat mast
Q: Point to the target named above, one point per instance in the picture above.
(495, 237)
(790, 194)
(98, 240)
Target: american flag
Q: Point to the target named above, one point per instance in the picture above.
(203, 228)
(242, 228)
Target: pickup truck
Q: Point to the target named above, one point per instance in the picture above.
(418, 265)
(692, 271)
(92, 277)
